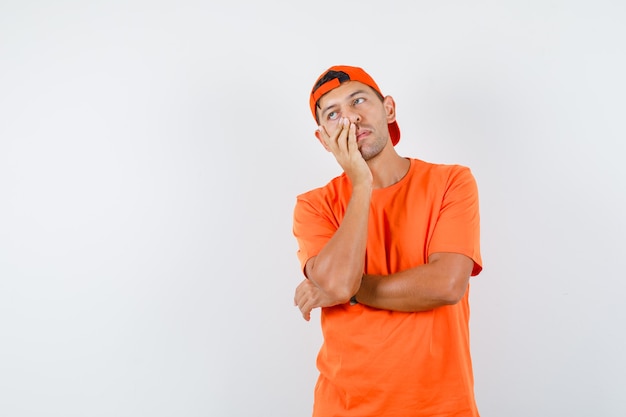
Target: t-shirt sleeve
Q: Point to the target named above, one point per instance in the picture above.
(312, 228)
(458, 225)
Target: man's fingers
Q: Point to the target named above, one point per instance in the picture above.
(306, 311)
(305, 299)
(324, 134)
(352, 145)
(305, 305)
(342, 139)
(336, 142)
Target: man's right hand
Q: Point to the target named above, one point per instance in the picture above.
(343, 145)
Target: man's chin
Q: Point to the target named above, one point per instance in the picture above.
(368, 154)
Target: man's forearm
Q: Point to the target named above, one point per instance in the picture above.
(442, 281)
(338, 268)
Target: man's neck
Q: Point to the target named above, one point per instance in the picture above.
(388, 168)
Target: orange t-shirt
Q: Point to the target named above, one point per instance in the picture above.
(377, 362)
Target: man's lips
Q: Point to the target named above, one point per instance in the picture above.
(362, 134)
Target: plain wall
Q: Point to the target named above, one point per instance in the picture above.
(151, 152)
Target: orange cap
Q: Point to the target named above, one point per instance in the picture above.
(333, 77)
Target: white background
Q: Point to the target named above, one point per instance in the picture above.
(151, 152)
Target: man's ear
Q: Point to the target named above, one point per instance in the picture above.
(390, 109)
(318, 135)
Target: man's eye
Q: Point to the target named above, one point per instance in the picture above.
(358, 100)
(332, 115)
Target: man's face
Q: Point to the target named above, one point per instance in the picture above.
(363, 107)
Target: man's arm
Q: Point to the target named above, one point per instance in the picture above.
(335, 272)
(442, 281)
(338, 268)
(334, 275)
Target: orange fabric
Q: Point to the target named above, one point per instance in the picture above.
(384, 363)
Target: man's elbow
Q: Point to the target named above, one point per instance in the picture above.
(453, 275)
(454, 291)
(341, 292)
(338, 286)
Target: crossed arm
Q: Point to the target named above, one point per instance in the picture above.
(442, 281)
(336, 273)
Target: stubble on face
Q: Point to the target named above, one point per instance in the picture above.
(372, 146)
(368, 153)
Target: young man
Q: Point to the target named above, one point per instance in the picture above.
(387, 250)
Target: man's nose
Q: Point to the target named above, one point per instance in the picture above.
(353, 116)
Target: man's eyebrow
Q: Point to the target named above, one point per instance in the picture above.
(330, 106)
